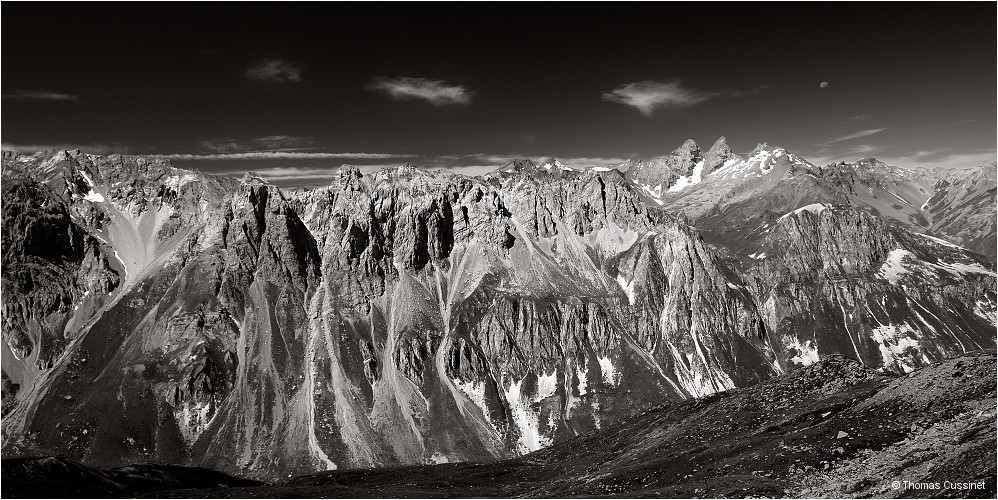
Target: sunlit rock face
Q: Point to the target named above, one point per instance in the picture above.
(158, 314)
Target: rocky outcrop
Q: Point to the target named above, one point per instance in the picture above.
(51, 268)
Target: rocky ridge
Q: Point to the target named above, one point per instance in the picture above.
(411, 317)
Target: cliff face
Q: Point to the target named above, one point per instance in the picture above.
(413, 317)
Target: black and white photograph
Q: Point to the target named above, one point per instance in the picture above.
(498, 249)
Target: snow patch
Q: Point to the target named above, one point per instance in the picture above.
(546, 386)
(610, 375)
(654, 194)
(959, 268)
(815, 208)
(628, 287)
(757, 255)
(807, 352)
(94, 196)
(475, 390)
(986, 310)
(762, 159)
(176, 181)
(684, 181)
(898, 197)
(87, 178)
(894, 266)
(940, 241)
(601, 169)
(894, 344)
(899, 260)
(194, 419)
(525, 420)
(123, 267)
(583, 376)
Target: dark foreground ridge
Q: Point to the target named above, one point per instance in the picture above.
(832, 429)
(53, 477)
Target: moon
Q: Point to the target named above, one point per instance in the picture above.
(822, 85)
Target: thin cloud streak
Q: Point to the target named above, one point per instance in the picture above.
(850, 155)
(940, 160)
(39, 95)
(275, 70)
(857, 135)
(301, 173)
(280, 155)
(436, 92)
(584, 162)
(268, 143)
(492, 161)
(92, 148)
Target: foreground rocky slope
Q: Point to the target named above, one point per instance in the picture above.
(411, 317)
(52, 477)
(832, 429)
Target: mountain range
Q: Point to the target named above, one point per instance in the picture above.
(153, 313)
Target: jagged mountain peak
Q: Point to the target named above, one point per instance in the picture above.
(718, 154)
(518, 166)
(762, 146)
(254, 179)
(550, 168)
(689, 146)
(720, 142)
(554, 163)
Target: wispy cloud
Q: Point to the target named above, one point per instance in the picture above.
(270, 143)
(471, 170)
(946, 125)
(280, 155)
(943, 159)
(824, 157)
(587, 162)
(91, 148)
(275, 70)
(648, 95)
(856, 135)
(38, 95)
(491, 161)
(436, 92)
(276, 174)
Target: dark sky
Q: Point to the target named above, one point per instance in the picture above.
(474, 84)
